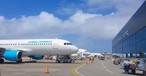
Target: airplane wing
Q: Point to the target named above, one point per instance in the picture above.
(25, 51)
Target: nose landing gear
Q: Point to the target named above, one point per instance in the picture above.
(1, 60)
(2, 50)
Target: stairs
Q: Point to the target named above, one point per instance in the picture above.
(2, 50)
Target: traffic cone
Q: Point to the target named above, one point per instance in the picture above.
(47, 69)
(86, 62)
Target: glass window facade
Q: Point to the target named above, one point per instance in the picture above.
(131, 40)
(141, 40)
(133, 44)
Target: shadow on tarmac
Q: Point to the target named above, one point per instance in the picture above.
(38, 62)
(136, 74)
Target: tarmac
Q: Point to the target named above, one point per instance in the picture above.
(79, 68)
(104, 68)
(33, 68)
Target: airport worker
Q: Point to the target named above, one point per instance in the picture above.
(89, 58)
(92, 59)
(126, 65)
(133, 64)
(134, 61)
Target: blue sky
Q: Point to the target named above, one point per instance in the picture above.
(60, 8)
(89, 24)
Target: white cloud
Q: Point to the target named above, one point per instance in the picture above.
(93, 29)
(122, 6)
(95, 25)
(46, 25)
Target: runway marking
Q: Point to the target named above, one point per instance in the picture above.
(106, 68)
(75, 72)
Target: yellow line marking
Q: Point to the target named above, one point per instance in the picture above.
(75, 73)
(73, 70)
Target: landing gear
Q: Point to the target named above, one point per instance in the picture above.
(64, 59)
(133, 71)
(58, 61)
(2, 50)
(1, 60)
(19, 61)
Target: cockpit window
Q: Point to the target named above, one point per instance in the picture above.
(67, 43)
(64, 43)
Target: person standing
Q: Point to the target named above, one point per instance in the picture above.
(126, 65)
(92, 59)
(89, 59)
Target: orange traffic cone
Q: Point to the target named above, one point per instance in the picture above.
(47, 69)
(86, 62)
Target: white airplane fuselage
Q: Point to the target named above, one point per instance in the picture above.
(41, 47)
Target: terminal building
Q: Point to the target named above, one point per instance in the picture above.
(131, 40)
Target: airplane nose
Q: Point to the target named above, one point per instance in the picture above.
(74, 49)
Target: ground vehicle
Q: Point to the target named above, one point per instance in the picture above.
(131, 63)
(64, 59)
(101, 58)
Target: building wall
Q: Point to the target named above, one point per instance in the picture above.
(132, 37)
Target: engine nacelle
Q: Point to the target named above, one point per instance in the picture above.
(12, 55)
(37, 57)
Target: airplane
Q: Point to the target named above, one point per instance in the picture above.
(14, 50)
(81, 54)
(96, 54)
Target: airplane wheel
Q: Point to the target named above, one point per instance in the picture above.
(58, 61)
(1, 60)
(19, 61)
(133, 71)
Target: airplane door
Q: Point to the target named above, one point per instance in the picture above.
(55, 47)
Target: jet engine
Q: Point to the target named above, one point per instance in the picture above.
(13, 55)
(37, 57)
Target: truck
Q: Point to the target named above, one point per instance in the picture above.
(64, 59)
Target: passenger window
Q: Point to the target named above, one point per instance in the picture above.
(65, 43)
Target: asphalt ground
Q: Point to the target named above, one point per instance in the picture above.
(32, 68)
(103, 68)
(79, 68)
